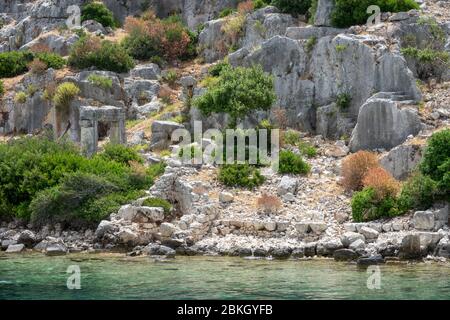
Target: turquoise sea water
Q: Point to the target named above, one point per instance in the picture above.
(109, 276)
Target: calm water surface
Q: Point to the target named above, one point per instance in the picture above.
(109, 276)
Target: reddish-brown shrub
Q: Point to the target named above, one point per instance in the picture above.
(355, 167)
(246, 7)
(268, 203)
(280, 117)
(382, 182)
(37, 66)
(150, 36)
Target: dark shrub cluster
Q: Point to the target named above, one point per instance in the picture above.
(240, 175)
(238, 92)
(14, 63)
(104, 55)
(97, 11)
(43, 181)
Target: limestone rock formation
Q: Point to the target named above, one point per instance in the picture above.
(383, 125)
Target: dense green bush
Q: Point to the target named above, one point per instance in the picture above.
(258, 4)
(294, 7)
(366, 206)
(105, 55)
(158, 203)
(2, 89)
(419, 192)
(13, 63)
(226, 12)
(437, 153)
(292, 163)
(429, 63)
(52, 60)
(99, 12)
(217, 69)
(49, 181)
(120, 153)
(353, 12)
(238, 92)
(240, 175)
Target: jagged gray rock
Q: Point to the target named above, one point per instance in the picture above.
(402, 160)
(383, 125)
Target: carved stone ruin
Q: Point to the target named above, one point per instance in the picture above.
(89, 121)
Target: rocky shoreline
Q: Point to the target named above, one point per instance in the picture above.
(216, 221)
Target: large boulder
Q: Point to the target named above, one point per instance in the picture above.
(162, 133)
(410, 247)
(28, 238)
(382, 124)
(402, 160)
(287, 185)
(149, 71)
(424, 220)
(15, 248)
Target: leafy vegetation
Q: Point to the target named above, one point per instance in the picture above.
(150, 37)
(436, 160)
(97, 11)
(240, 175)
(294, 7)
(428, 62)
(14, 63)
(293, 163)
(2, 89)
(381, 196)
(64, 94)
(353, 12)
(238, 92)
(100, 81)
(89, 52)
(366, 206)
(343, 101)
(47, 182)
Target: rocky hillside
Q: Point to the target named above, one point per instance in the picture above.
(133, 72)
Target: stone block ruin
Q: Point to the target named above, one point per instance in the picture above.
(90, 120)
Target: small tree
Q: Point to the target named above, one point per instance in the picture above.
(239, 92)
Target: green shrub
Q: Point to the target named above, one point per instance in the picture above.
(436, 159)
(64, 186)
(120, 154)
(100, 81)
(310, 44)
(259, 4)
(99, 12)
(294, 7)
(240, 175)
(343, 101)
(217, 69)
(238, 92)
(353, 12)
(52, 60)
(226, 12)
(428, 62)
(106, 55)
(170, 77)
(158, 203)
(14, 63)
(366, 206)
(2, 89)
(419, 192)
(20, 97)
(290, 162)
(64, 94)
